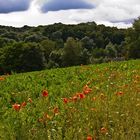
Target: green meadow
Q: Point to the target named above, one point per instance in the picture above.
(93, 102)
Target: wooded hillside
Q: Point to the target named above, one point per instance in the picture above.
(58, 45)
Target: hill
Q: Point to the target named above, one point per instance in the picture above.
(94, 102)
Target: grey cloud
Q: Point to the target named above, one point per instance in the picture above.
(7, 6)
(56, 5)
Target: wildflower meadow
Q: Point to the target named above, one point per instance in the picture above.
(94, 102)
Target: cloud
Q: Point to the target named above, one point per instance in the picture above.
(118, 13)
(7, 6)
(56, 5)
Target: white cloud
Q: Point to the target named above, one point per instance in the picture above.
(118, 13)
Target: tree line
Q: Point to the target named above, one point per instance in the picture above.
(59, 45)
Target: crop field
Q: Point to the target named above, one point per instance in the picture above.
(94, 102)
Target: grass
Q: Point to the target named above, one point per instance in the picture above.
(95, 102)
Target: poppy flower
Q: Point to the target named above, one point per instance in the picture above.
(81, 95)
(16, 106)
(86, 89)
(23, 104)
(74, 98)
(89, 138)
(56, 110)
(45, 93)
(2, 78)
(119, 93)
(65, 100)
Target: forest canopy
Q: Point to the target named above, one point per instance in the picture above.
(59, 45)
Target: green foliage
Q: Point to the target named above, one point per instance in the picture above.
(5, 42)
(110, 51)
(56, 35)
(133, 41)
(98, 52)
(72, 52)
(22, 57)
(90, 43)
(55, 59)
(48, 46)
(87, 43)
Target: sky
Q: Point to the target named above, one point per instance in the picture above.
(118, 13)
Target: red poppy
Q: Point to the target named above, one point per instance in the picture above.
(119, 93)
(86, 89)
(81, 95)
(56, 110)
(2, 78)
(23, 104)
(45, 93)
(65, 100)
(16, 107)
(89, 138)
(74, 98)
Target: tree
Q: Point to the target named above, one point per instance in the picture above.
(110, 50)
(87, 43)
(133, 40)
(98, 52)
(55, 59)
(48, 46)
(72, 52)
(56, 35)
(22, 57)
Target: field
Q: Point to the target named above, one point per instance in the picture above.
(94, 102)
